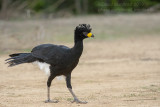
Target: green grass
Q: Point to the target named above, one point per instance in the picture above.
(130, 95)
(26, 50)
(152, 88)
(70, 99)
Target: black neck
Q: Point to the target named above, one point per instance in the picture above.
(77, 37)
(78, 45)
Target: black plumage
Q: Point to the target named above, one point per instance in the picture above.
(61, 59)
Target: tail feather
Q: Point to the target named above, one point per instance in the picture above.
(16, 54)
(13, 57)
(19, 58)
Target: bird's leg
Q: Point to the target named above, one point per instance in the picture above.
(68, 83)
(75, 97)
(48, 94)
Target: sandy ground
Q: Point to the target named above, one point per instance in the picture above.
(119, 73)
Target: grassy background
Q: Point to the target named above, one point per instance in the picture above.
(25, 34)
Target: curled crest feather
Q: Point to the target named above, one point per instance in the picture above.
(83, 27)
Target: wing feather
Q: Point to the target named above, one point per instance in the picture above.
(50, 53)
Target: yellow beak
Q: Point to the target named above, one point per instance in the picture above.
(90, 35)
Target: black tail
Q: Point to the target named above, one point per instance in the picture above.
(19, 58)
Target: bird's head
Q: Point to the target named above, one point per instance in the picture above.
(83, 31)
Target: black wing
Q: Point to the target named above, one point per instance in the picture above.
(50, 53)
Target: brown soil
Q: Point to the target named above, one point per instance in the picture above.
(110, 74)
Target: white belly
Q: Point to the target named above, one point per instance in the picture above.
(44, 67)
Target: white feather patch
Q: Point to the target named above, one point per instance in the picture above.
(45, 67)
(60, 77)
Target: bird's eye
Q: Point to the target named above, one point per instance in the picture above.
(85, 33)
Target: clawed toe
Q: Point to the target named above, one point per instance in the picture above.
(51, 101)
(78, 101)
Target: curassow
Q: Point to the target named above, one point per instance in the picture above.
(56, 60)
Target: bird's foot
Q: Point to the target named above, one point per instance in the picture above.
(78, 101)
(51, 101)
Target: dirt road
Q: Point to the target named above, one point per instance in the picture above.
(118, 73)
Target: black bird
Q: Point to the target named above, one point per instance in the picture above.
(56, 60)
